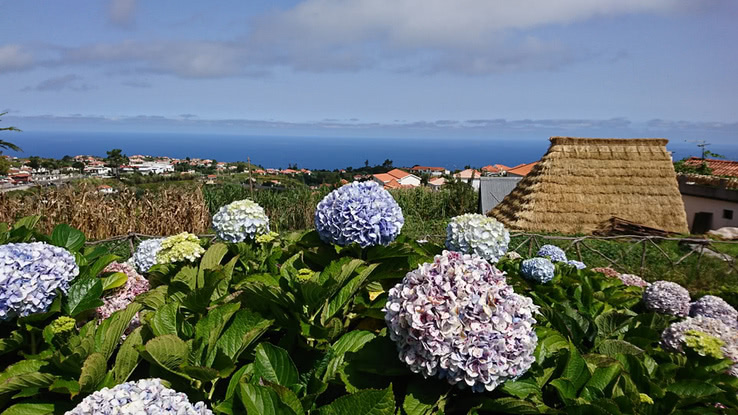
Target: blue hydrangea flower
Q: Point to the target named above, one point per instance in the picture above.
(538, 269)
(552, 252)
(359, 212)
(576, 264)
(477, 234)
(30, 274)
(240, 220)
(667, 297)
(458, 319)
(145, 396)
(145, 255)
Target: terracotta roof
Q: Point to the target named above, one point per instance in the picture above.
(438, 181)
(522, 169)
(467, 174)
(495, 168)
(718, 167)
(384, 177)
(398, 174)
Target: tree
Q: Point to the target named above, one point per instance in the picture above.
(115, 159)
(366, 163)
(387, 164)
(5, 144)
(34, 162)
(79, 166)
(4, 165)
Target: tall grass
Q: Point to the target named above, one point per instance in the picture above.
(101, 216)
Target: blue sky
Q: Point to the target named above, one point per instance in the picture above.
(390, 68)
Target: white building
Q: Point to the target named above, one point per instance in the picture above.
(710, 202)
(470, 176)
(396, 178)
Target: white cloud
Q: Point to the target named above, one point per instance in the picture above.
(14, 57)
(122, 12)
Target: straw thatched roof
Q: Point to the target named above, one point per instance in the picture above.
(580, 183)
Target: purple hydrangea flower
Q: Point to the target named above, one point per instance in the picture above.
(359, 212)
(458, 319)
(477, 234)
(667, 297)
(145, 255)
(715, 307)
(121, 297)
(552, 252)
(30, 274)
(673, 337)
(145, 396)
(538, 269)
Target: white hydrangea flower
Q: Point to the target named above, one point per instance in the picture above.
(142, 397)
(477, 234)
(240, 220)
(458, 319)
(145, 255)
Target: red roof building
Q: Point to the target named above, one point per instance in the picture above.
(521, 169)
(495, 168)
(718, 167)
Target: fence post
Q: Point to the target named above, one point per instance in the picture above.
(643, 258)
(131, 246)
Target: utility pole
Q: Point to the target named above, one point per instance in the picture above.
(251, 177)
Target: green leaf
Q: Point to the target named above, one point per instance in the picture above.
(67, 237)
(127, 358)
(168, 351)
(115, 280)
(349, 342)
(30, 409)
(423, 395)
(67, 386)
(549, 342)
(100, 264)
(693, 388)
(83, 295)
(603, 376)
(614, 347)
(274, 364)
(109, 332)
(287, 397)
(566, 389)
(246, 327)
(510, 406)
(93, 372)
(262, 400)
(364, 402)
(208, 329)
(522, 388)
(164, 320)
(28, 222)
(611, 323)
(11, 343)
(24, 374)
(345, 294)
(576, 369)
(212, 257)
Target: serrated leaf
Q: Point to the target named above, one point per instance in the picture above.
(363, 402)
(522, 388)
(164, 320)
(262, 400)
(93, 372)
(168, 351)
(576, 369)
(69, 386)
(67, 237)
(83, 295)
(349, 342)
(565, 388)
(288, 397)
(613, 347)
(209, 328)
(24, 374)
(274, 364)
(246, 327)
(110, 330)
(99, 265)
(693, 388)
(603, 376)
(423, 396)
(114, 280)
(128, 357)
(11, 343)
(345, 293)
(31, 409)
(510, 406)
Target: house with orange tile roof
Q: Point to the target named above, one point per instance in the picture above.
(433, 171)
(718, 167)
(436, 183)
(470, 176)
(400, 178)
(521, 170)
(494, 169)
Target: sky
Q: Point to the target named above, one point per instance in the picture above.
(386, 68)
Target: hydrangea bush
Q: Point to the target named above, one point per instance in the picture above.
(576, 264)
(674, 338)
(667, 297)
(359, 212)
(715, 307)
(179, 248)
(145, 255)
(458, 319)
(552, 252)
(541, 270)
(240, 220)
(145, 396)
(477, 234)
(30, 274)
(121, 297)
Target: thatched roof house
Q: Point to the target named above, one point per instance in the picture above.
(581, 183)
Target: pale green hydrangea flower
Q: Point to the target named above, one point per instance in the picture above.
(267, 238)
(704, 344)
(179, 248)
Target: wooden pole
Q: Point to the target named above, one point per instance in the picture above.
(251, 177)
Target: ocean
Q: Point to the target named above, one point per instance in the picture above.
(307, 152)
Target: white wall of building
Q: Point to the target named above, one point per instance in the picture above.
(718, 208)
